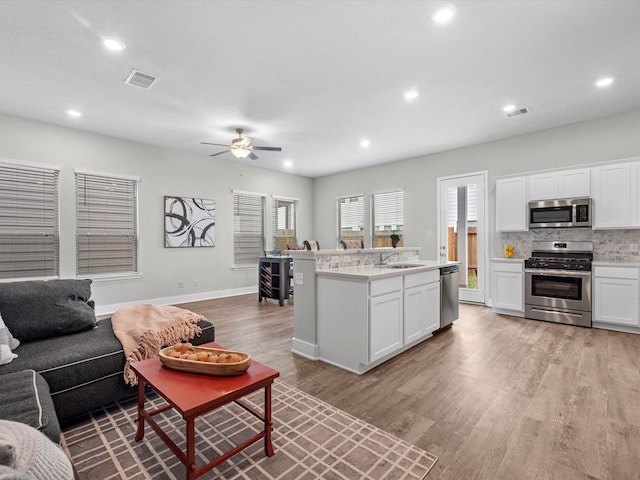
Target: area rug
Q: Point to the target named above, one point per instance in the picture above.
(311, 438)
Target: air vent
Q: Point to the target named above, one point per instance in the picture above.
(141, 79)
(516, 112)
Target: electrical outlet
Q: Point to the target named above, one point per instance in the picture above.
(180, 284)
(298, 278)
(196, 283)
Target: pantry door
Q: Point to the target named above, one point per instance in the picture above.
(462, 232)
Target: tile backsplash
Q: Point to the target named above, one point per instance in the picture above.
(355, 258)
(617, 245)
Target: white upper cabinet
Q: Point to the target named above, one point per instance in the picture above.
(511, 204)
(612, 196)
(565, 184)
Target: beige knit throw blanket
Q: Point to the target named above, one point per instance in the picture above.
(144, 329)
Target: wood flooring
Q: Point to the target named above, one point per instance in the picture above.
(494, 397)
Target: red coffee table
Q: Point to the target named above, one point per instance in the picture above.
(193, 394)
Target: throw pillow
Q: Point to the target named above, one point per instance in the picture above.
(26, 450)
(10, 340)
(39, 309)
(6, 344)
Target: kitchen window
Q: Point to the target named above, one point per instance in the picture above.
(248, 228)
(29, 240)
(388, 217)
(351, 218)
(106, 225)
(285, 233)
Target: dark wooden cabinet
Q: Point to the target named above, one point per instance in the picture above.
(274, 278)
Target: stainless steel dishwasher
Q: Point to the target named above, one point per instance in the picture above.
(449, 294)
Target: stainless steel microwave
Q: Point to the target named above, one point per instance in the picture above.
(564, 212)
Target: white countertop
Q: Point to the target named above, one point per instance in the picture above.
(505, 259)
(370, 272)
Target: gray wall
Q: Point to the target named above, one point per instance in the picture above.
(594, 141)
(168, 172)
(163, 172)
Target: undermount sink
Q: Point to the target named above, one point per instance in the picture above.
(402, 265)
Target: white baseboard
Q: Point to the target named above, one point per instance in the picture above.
(304, 349)
(193, 297)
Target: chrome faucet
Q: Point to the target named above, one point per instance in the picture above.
(382, 260)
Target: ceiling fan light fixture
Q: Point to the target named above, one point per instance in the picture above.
(241, 152)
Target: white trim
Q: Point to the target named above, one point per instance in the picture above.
(340, 197)
(393, 190)
(459, 175)
(245, 192)
(82, 171)
(304, 349)
(282, 197)
(29, 164)
(116, 276)
(195, 297)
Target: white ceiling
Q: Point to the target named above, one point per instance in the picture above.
(316, 77)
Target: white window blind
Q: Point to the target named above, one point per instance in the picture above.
(351, 218)
(388, 216)
(28, 221)
(248, 228)
(106, 225)
(284, 223)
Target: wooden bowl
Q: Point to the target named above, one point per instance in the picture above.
(207, 368)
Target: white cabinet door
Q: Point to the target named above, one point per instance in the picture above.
(574, 183)
(385, 325)
(421, 311)
(511, 204)
(543, 186)
(612, 196)
(615, 296)
(507, 286)
(564, 184)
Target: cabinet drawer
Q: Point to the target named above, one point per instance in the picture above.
(615, 272)
(421, 278)
(508, 267)
(386, 285)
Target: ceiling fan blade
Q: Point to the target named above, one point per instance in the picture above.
(216, 144)
(271, 149)
(253, 156)
(219, 153)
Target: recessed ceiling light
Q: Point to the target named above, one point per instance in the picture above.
(604, 82)
(508, 108)
(113, 44)
(287, 164)
(411, 95)
(364, 143)
(444, 14)
(74, 113)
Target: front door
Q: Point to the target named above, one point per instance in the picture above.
(462, 230)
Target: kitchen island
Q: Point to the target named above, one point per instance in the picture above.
(358, 316)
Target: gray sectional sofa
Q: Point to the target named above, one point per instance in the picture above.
(77, 358)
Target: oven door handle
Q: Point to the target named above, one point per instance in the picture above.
(555, 273)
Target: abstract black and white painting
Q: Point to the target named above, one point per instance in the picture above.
(189, 222)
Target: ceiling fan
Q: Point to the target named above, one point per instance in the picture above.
(241, 147)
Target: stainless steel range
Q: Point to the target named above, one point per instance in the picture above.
(558, 282)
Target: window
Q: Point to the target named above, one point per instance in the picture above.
(106, 225)
(351, 218)
(388, 217)
(28, 220)
(285, 232)
(248, 228)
